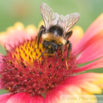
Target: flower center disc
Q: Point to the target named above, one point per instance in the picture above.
(24, 72)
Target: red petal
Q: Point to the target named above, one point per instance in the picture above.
(25, 98)
(96, 64)
(4, 97)
(90, 77)
(94, 28)
(93, 50)
(53, 96)
(88, 82)
(19, 98)
(75, 86)
(37, 99)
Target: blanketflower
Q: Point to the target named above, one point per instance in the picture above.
(32, 80)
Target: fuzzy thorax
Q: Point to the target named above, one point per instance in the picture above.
(51, 37)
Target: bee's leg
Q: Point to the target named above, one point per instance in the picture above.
(42, 29)
(56, 57)
(68, 34)
(69, 48)
(62, 50)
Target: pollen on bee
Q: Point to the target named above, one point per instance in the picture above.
(49, 46)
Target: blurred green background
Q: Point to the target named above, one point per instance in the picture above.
(28, 12)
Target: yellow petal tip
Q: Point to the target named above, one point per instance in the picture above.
(31, 29)
(79, 31)
(18, 26)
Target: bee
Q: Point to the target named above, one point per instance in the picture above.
(57, 31)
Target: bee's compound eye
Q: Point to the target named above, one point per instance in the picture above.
(46, 45)
(55, 46)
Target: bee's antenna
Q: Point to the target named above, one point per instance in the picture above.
(35, 49)
(56, 57)
(42, 54)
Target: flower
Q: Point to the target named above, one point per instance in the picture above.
(44, 80)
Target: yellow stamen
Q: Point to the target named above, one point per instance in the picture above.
(28, 52)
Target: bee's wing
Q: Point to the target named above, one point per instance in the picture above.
(49, 17)
(68, 21)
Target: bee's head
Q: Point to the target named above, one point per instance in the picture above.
(51, 47)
